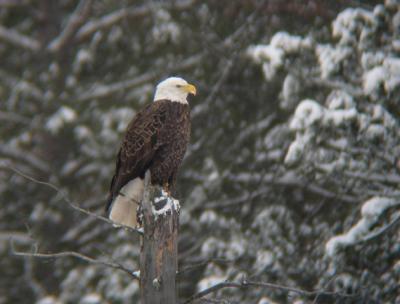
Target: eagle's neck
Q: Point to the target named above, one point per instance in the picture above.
(174, 96)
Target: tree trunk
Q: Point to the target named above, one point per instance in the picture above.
(159, 250)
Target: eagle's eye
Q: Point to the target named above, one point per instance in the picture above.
(178, 85)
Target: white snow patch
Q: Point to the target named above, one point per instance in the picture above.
(92, 298)
(265, 300)
(60, 118)
(340, 100)
(165, 28)
(49, 300)
(307, 113)
(297, 147)
(171, 204)
(352, 22)
(289, 93)
(83, 58)
(374, 79)
(208, 217)
(136, 273)
(82, 132)
(370, 212)
(374, 207)
(338, 117)
(386, 75)
(330, 58)
(290, 43)
(209, 282)
(265, 258)
(270, 57)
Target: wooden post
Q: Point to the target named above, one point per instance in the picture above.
(159, 250)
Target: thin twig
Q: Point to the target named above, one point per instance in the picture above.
(77, 255)
(247, 284)
(76, 20)
(13, 37)
(133, 13)
(33, 161)
(203, 263)
(73, 205)
(14, 117)
(102, 91)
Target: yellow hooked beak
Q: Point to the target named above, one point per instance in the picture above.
(189, 88)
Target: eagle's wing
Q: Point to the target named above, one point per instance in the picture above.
(138, 147)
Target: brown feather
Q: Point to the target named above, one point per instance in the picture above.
(155, 139)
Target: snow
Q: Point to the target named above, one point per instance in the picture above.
(371, 59)
(338, 117)
(386, 75)
(83, 58)
(265, 258)
(265, 300)
(270, 56)
(165, 29)
(92, 298)
(370, 212)
(171, 204)
(307, 113)
(208, 217)
(209, 282)
(49, 300)
(374, 207)
(297, 147)
(63, 116)
(290, 92)
(340, 100)
(290, 43)
(352, 21)
(374, 79)
(331, 58)
(136, 273)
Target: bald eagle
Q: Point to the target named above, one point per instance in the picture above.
(156, 140)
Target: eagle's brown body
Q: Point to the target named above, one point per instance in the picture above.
(155, 140)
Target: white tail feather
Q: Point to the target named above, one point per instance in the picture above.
(124, 207)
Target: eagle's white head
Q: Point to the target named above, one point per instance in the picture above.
(175, 89)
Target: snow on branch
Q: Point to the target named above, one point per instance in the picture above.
(363, 231)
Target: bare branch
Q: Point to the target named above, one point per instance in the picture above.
(77, 255)
(70, 203)
(14, 117)
(102, 91)
(13, 3)
(374, 177)
(133, 13)
(77, 19)
(13, 37)
(196, 265)
(247, 284)
(29, 158)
